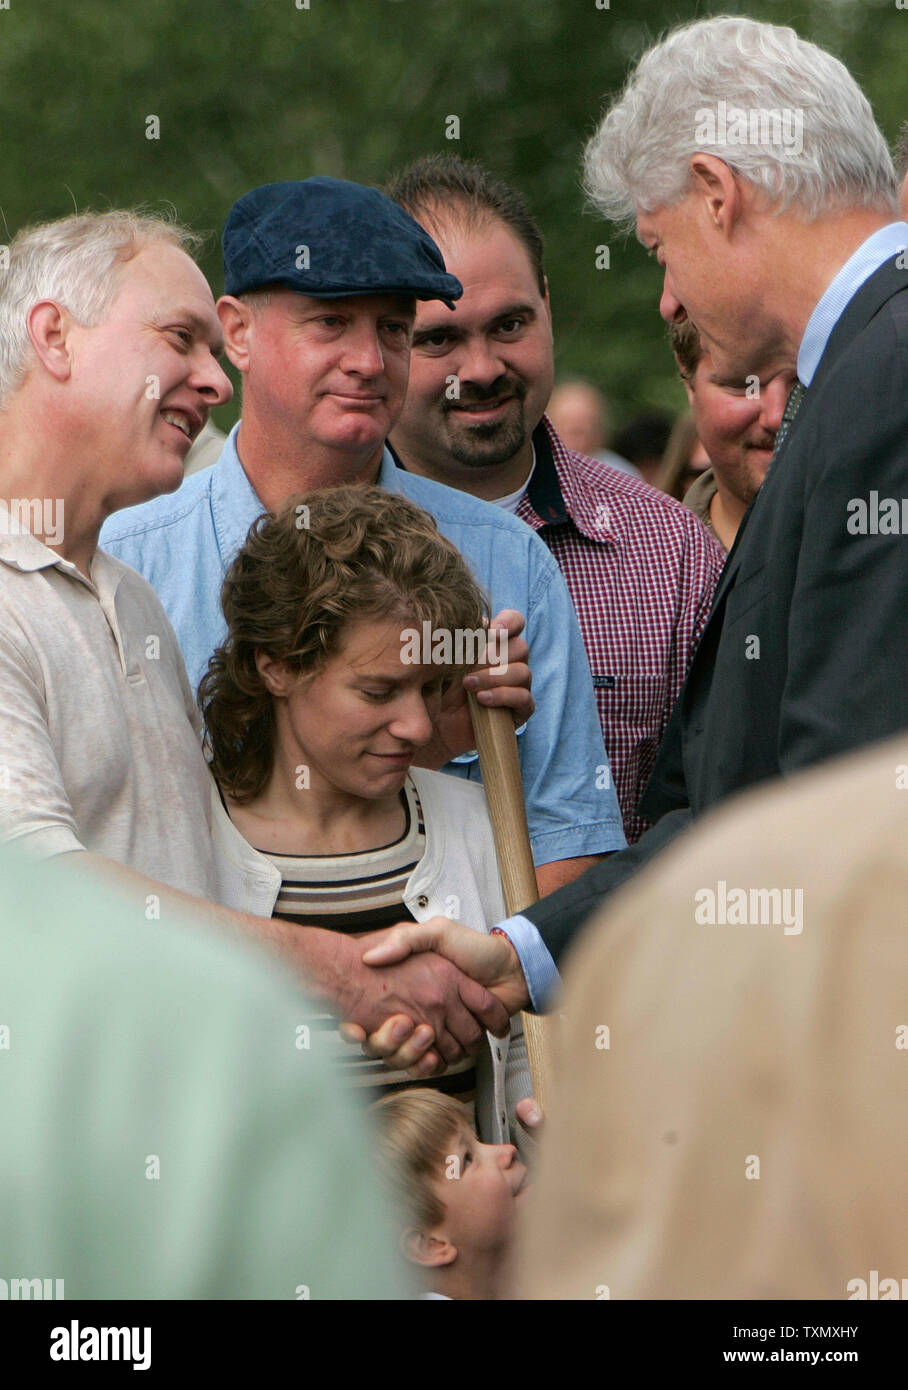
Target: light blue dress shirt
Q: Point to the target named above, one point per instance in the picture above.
(869, 256)
(539, 969)
(183, 543)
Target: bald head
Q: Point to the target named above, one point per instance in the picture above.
(578, 412)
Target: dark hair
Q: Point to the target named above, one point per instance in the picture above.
(437, 185)
(686, 346)
(644, 437)
(305, 573)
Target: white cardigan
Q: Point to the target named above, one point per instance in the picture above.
(457, 877)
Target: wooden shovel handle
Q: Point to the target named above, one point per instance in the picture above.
(496, 744)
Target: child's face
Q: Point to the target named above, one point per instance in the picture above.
(482, 1187)
(358, 723)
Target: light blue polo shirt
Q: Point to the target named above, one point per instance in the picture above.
(183, 543)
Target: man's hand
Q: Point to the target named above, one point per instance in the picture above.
(492, 960)
(430, 990)
(507, 685)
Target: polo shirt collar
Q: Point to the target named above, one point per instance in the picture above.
(19, 548)
(22, 551)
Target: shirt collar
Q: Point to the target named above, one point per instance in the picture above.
(392, 466)
(19, 548)
(22, 551)
(235, 504)
(544, 487)
(874, 252)
(562, 491)
(388, 470)
(554, 495)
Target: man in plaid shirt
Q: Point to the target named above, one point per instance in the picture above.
(640, 568)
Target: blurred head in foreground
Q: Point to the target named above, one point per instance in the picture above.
(165, 1134)
(728, 1118)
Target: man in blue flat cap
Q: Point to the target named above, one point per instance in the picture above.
(321, 279)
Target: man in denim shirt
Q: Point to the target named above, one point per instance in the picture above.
(321, 278)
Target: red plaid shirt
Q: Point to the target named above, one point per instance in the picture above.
(641, 570)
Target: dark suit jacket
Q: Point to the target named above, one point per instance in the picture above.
(805, 654)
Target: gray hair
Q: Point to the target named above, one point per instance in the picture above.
(258, 300)
(75, 261)
(639, 158)
(901, 152)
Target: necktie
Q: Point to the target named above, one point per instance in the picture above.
(795, 396)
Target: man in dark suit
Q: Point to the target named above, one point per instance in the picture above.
(756, 175)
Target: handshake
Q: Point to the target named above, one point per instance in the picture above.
(421, 994)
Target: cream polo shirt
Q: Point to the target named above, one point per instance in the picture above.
(99, 735)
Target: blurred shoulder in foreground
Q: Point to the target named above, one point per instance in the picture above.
(730, 1117)
(168, 1133)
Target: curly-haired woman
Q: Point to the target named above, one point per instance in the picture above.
(325, 690)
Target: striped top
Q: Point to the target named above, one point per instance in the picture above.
(356, 893)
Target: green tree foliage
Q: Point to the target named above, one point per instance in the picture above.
(247, 91)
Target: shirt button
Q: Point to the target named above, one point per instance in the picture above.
(422, 900)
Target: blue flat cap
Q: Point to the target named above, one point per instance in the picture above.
(327, 237)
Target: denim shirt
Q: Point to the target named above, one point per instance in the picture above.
(184, 542)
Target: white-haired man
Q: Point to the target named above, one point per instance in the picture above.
(108, 370)
(761, 183)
